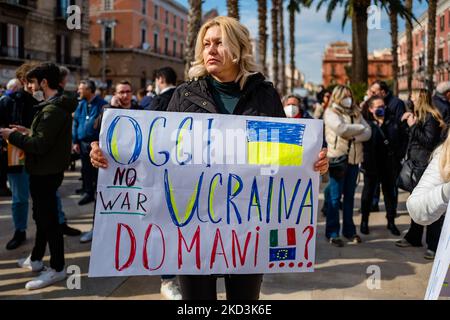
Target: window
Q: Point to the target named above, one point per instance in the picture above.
(174, 22)
(174, 48)
(155, 41)
(166, 46)
(11, 40)
(143, 36)
(108, 36)
(63, 49)
(144, 7)
(181, 49)
(442, 23)
(182, 25)
(156, 13)
(108, 5)
(167, 17)
(440, 55)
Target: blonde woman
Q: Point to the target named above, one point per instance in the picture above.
(225, 79)
(426, 127)
(345, 130)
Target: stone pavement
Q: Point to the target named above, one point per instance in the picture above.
(341, 273)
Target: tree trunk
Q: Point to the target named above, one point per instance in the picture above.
(409, 49)
(233, 8)
(292, 48)
(275, 42)
(359, 41)
(394, 47)
(262, 31)
(431, 44)
(283, 48)
(194, 24)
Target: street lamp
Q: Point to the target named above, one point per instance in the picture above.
(105, 23)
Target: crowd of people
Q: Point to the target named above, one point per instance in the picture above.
(44, 126)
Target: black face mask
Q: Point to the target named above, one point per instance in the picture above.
(380, 112)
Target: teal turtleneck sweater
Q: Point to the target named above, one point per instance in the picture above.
(225, 94)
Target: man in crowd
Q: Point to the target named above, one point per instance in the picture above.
(47, 154)
(84, 131)
(123, 97)
(293, 108)
(16, 108)
(165, 81)
(441, 100)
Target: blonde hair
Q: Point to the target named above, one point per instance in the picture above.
(444, 162)
(236, 40)
(423, 106)
(339, 93)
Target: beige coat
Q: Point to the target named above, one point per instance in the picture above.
(340, 129)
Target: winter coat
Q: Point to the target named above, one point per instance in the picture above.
(161, 101)
(48, 148)
(424, 138)
(429, 199)
(259, 98)
(342, 130)
(396, 130)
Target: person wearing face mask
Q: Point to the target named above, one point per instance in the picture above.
(378, 166)
(17, 109)
(47, 149)
(322, 104)
(345, 130)
(293, 109)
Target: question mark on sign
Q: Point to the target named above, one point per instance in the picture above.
(311, 233)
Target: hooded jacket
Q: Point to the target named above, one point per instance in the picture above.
(48, 148)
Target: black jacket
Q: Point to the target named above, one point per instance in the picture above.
(259, 98)
(379, 157)
(425, 137)
(17, 109)
(161, 101)
(441, 102)
(396, 130)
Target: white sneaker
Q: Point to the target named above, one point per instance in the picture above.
(46, 278)
(86, 236)
(34, 266)
(170, 289)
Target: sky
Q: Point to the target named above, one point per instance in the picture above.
(312, 32)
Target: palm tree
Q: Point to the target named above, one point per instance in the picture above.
(293, 8)
(275, 48)
(283, 48)
(233, 8)
(194, 24)
(262, 32)
(394, 46)
(409, 49)
(431, 43)
(357, 11)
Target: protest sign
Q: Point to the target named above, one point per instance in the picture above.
(439, 278)
(205, 194)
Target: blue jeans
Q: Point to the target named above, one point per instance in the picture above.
(61, 215)
(337, 187)
(20, 189)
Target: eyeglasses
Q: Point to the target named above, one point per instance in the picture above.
(121, 93)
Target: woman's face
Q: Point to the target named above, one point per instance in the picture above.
(216, 57)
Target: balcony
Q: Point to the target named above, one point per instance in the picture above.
(19, 4)
(20, 54)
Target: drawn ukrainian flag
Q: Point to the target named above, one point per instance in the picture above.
(274, 143)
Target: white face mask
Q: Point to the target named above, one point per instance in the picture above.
(291, 111)
(157, 90)
(347, 102)
(39, 95)
(366, 97)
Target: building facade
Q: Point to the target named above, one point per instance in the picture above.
(337, 61)
(419, 54)
(131, 39)
(37, 30)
